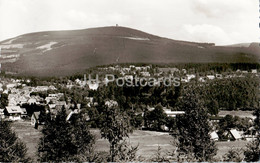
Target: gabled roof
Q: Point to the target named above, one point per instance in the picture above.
(214, 135)
(235, 134)
(36, 115)
(51, 106)
(13, 109)
(32, 100)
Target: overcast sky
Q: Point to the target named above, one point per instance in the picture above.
(219, 21)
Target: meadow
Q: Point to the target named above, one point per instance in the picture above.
(147, 141)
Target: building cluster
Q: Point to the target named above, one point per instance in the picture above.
(19, 93)
(184, 75)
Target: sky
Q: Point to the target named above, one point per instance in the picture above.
(218, 21)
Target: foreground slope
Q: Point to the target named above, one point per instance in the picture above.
(66, 52)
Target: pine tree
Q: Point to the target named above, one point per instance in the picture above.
(12, 149)
(252, 153)
(63, 140)
(194, 139)
(233, 155)
(83, 140)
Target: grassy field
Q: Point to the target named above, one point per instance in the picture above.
(28, 135)
(148, 141)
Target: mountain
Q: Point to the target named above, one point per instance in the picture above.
(57, 53)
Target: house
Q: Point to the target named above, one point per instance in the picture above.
(58, 95)
(13, 112)
(11, 85)
(49, 99)
(35, 119)
(150, 108)
(169, 70)
(41, 88)
(254, 71)
(244, 72)
(51, 106)
(93, 86)
(70, 115)
(170, 113)
(235, 135)
(214, 136)
(32, 101)
(131, 66)
(22, 100)
(202, 79)
(78, 106)
(190, 76)
(51, 87)
(210, 77)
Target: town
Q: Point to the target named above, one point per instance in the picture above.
(24, 99)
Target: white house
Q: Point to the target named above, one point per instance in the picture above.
(210, 77)
(190, 76)
(35, 118)
(41, 88)
(254, 71)
(11, 85)
(214, 136)
(32, 101)
(173, 113)
(93, 86)
(244, 72)
(202, 79)
(235, 134)
(13, 112)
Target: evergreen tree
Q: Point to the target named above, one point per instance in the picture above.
(116, 126)
(157, 118)
(233, 155)
(83, 140)
(11, 147)
(252, 153)
(63, 140)
(194, 139)
(3, 100)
